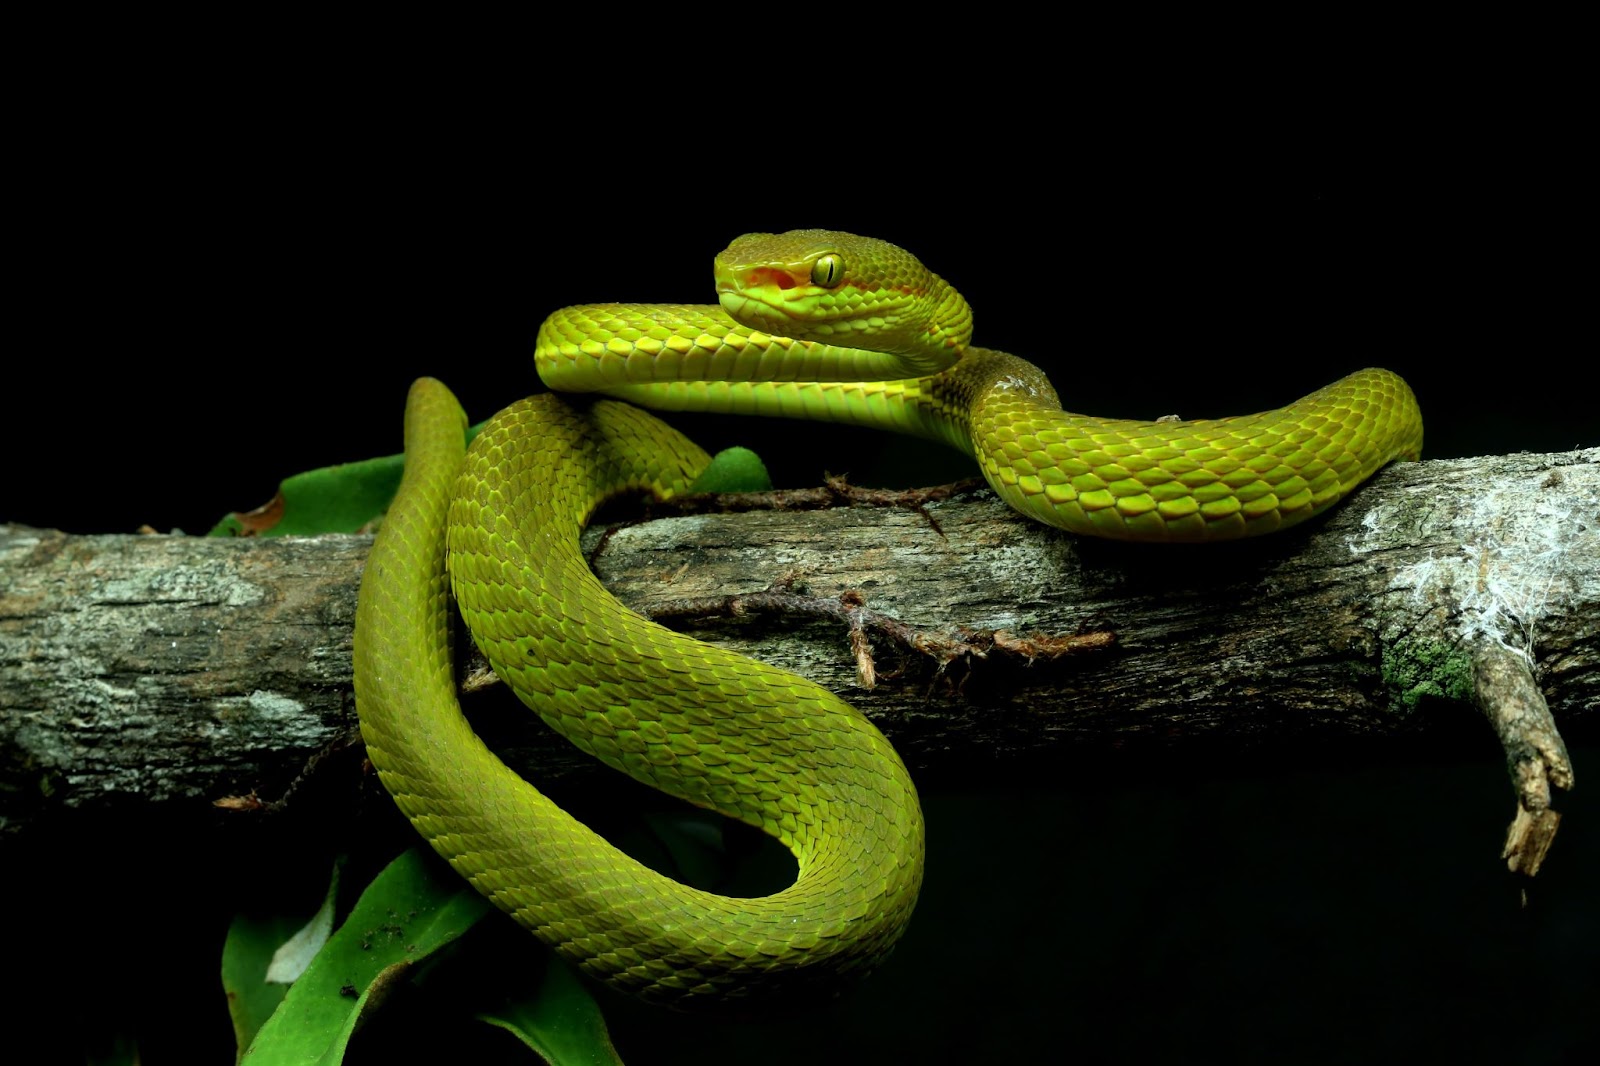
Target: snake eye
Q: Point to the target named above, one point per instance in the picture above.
(828, 270)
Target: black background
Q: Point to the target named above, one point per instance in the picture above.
(209, 306)
(219, 293)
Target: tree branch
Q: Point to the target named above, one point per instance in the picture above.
(155, 668)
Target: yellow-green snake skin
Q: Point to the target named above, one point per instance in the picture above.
(812, 324)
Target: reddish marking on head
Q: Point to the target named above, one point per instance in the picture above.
(771, 276)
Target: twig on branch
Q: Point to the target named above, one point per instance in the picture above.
(863, 624)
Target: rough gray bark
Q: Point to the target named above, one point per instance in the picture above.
(142, 669)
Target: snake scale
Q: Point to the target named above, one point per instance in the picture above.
(811, 324)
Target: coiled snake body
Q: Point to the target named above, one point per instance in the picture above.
(811, 324)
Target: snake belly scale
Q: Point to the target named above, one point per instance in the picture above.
(811, 324)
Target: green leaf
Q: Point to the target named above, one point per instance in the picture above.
(333, 499)
(555, 1016)
(245, 956)
(349, 497)
(734, 470)
(253, 946)
(295, 954)
(415, 907)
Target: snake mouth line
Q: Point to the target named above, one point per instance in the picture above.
(743, 307)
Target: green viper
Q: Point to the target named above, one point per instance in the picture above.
(812, 324)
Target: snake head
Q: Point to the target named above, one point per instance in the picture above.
(842, 289)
